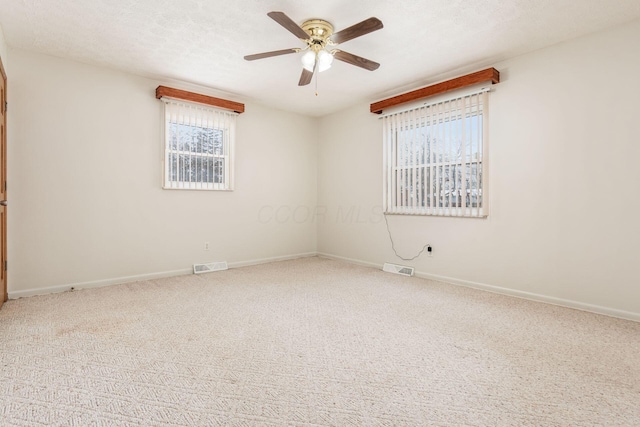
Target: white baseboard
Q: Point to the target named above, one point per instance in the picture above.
(627, 315)
(97, 283)
(141, 277)
(350, 260)
(271, 259)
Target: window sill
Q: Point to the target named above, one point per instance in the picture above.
(440, 212)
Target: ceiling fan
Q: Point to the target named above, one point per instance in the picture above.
(319, 37)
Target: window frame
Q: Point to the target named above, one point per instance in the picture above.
(423, 189)
(185, 118)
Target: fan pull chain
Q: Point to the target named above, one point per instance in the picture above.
(317, 76)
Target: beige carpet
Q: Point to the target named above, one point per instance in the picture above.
(312, 342)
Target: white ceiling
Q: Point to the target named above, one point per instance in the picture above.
(204, 41)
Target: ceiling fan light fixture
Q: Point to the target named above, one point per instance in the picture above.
(325, 59)
(309, 60)
(319, 38)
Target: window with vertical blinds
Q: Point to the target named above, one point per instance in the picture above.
(435, 158)
(198, 146)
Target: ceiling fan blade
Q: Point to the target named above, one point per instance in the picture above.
(360, 29)
(306, 77)
(269, 54)
(288, 24)
(356, 60)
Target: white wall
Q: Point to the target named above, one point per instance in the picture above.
(86, 202)
(565, 208)
(3, 51)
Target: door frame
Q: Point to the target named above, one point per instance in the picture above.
(3, 191)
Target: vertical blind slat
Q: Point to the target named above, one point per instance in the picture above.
(463, 151)
(453, 136)
(405, 162)
(169, 165)
(419, 160)
(414, 162)
(473, 148)
(209, 146)
(400, 160)
(230, 148)
(439, 157)
(390, 180)
(192, 123)
(385, 166)
(179, 157)
(461, 148)
(396, 172)
(198, 150)
(449, 142)
(485, 155)
(432, 172)
(393, 163)
(479, 151)
(385, 206)
(445, 144)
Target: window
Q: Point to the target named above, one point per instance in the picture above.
(434, 158)
(198, 146)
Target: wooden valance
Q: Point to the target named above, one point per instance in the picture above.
(163, 91)
(490, 74)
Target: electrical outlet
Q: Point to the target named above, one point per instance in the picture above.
(206, 246)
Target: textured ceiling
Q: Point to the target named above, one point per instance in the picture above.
(204, 41)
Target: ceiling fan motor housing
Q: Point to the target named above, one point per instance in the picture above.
(319, 32)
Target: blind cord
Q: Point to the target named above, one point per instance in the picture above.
(393, 246)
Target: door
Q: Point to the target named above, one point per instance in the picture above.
(3, 185)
